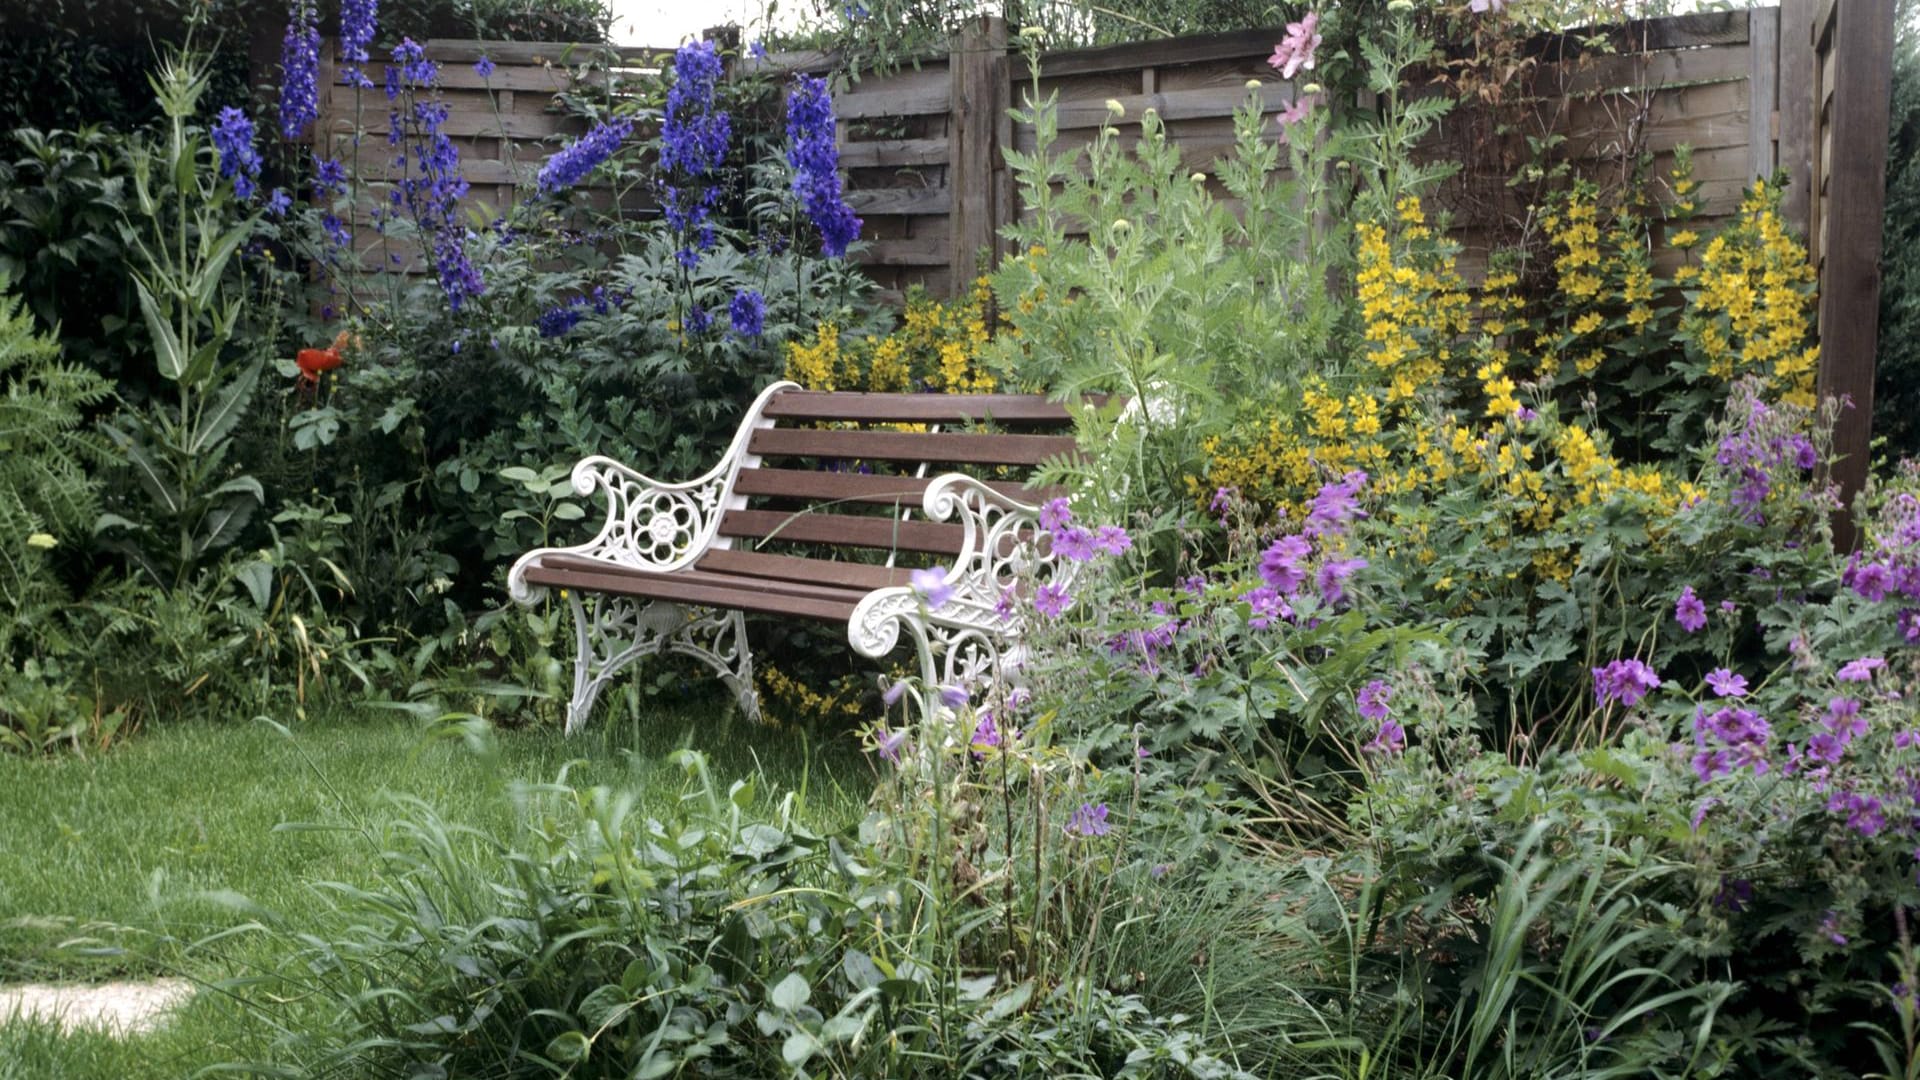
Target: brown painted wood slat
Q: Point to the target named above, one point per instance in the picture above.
(786, 585)
(916, 408)
(956, 447)
(674, 587)
(843, 530)
(907, 491)
(865, 577)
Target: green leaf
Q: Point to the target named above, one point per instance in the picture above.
(790, 993)
(216, 262)
(570, 1048)
(257, 576)
(798, 1048)
(522, 474)
(218, 421)
(168, 353)
(569, 512)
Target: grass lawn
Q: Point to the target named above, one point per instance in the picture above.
(106, 862)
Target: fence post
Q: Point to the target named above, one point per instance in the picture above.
(977, 65)
(1848, 198)
(1796, 111)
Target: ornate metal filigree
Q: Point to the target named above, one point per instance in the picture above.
(651, 524)
(611, 632)
(974, 635)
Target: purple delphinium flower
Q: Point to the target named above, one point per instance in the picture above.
(1055, 515)
(1052, 600)
(357, 18)
(1860, 670)
(279, 202)
(483, 67)
(748, 313)
(572, 163)
(699, 321)
(1113, 540)
(239, 162)
(1626, 681)
(1390, 739)
(693, 146)
(556, 322)
(300, 68)
(1333, 576)
(428, 185)
(1089, 821)
(1690, 611)
(1372, 700)
(757, 50)
(1280, 564)
(932, 587)
(1074, 544)
(1725, 683)
(329, 177)
(815, 158)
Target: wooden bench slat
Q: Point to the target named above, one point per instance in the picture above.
(954, 447)
(713, 576)
(863, 488)
(862, 576)
(679, 588)
(916, 408)
(844, 530)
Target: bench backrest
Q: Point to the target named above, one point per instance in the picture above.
(838, 470)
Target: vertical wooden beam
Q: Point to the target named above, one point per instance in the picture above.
(978, 50)
(1854, 182)
(1763, 91)
(1005, 206)
(1796, 111)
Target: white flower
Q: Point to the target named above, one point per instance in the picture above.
(1115, 108)
(43, 541)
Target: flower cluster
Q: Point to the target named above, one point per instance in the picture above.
(300, 67)
(1751, 308)
(1888, 566)
(1296, 51)
(1285, 565)
(1729, 738)
(429, 185)
(1626, 681)
(938, 347)
(357, 20)
(815, 158)
(1372, 702)
(693, 145)
(570, 164)
(239, 161)
(748, 313)
(1766, 442)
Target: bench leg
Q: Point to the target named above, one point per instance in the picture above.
(616, 630)
(718, 639)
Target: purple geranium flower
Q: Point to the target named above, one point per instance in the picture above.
(1333, 577)
(1055, 515)
(1372, 700)
(1690, 611)
(1089, 821)
(1860, 670)
(1280, 565)
(1626, 681)
(1726, 683)
(1075, 544)
(1390, 739)
(933, 587)
(1052, 600)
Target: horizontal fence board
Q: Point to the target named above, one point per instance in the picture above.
(901, 201)
(880, 153)
(1173, 106)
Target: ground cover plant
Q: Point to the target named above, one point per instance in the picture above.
(1433, 671)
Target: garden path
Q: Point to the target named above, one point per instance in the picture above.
(127, 1007)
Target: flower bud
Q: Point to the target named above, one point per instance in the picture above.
(1121, 225)
(43, 541)
(1198, 178)
(1116, 109)
(1401, 6)
(1253, 84)
(1310, 88)
(1032, 33)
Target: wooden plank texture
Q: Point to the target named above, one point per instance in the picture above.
(917, 408)
(844, 530)
(957, 448)
(1862, 42)
(1763, 93)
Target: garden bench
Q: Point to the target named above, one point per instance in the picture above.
(676, 566)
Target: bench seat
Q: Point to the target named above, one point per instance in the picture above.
(821, 509)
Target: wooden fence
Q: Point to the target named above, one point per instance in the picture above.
(1802, 88)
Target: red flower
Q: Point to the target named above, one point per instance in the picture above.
(315, 361)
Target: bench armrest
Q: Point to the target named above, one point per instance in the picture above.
(652, 524)
(1003, 558)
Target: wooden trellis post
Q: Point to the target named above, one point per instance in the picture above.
(1851, 49)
